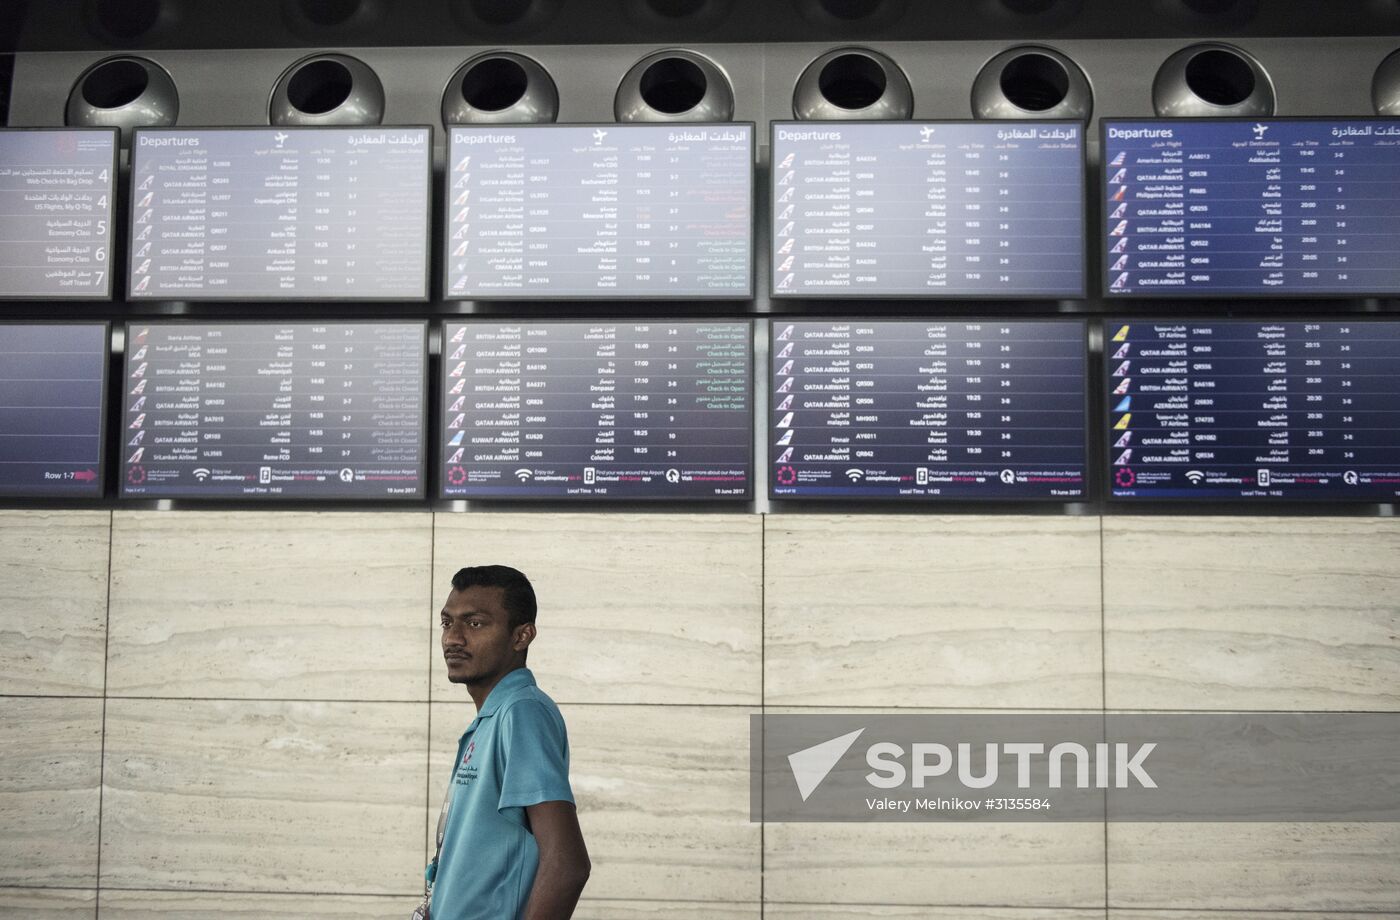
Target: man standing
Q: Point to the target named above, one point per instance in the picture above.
(511, 847)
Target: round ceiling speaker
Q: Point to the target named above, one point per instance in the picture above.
(674, 85)
(665, 16)
(322, 18)
(844, 14)
(503, 17)
(1212, 79)
(1207, 16)
(1032, 82)
(852, 83)
(1385, 86)
(125, 23)
(123, 92)
(500, 87)
(327, 89)
(1037, 14)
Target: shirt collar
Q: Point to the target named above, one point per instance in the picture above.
(505, 688)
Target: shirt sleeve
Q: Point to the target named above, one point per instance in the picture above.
(536, 752)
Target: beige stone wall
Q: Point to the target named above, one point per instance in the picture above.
(215, 715)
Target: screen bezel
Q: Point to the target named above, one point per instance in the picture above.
(105, 399)
(440, 466)
(1235, 501)
(1120, 298)
(112, 218)
(619, 296)
(422, 491)
(853, 294)
(282, 297)
(922, 500)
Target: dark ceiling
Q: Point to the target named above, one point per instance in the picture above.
(63, 25)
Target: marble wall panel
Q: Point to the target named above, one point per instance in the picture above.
(1266, 866)
(50, 776)
(944, 612)
(264, 796)
(205, 905)
(956, 865)
(47, 904)
(634, 608)
(252, 605)
(1294, 613)
(53, 601)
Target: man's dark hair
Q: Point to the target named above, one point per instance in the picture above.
(519, 595)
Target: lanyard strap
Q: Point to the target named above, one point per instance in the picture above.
(431, 875)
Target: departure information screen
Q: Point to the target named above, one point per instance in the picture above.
(52, 379)
(1233, 410)
(274, 410)
(280, 213)
(928, 410)
(1279, 208)
(928, 209)
(56, 192)
(597, 410)
(615, 211)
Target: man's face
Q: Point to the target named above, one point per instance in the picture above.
(477, 641)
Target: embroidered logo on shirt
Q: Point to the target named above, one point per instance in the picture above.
(466, 772)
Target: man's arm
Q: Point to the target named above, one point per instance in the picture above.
(564, 864)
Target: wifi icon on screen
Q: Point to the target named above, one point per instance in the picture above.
(855, 475)
(1194, 477)
(201, 474)
(524, 475)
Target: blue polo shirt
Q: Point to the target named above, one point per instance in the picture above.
(514, 754)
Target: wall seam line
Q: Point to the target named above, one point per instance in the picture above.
(102, 749)
(428, 768)
(1103, 682)
(762, 708)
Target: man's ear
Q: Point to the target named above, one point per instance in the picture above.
(524, 635)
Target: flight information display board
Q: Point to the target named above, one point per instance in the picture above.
(1246, 410)
(887, 409)
(928, 209)
(280, 213)
(1233, 207)
(597, 410)
(56, 193)
(616, 211)
(52, 380)
(274, 410)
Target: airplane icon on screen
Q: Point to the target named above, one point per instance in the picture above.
(280, 137)
(598, 135)
(926, 132)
